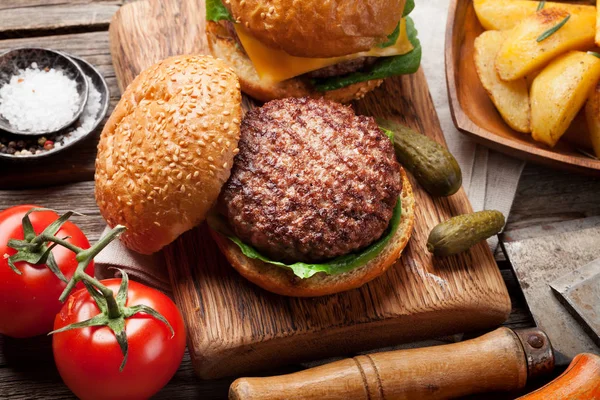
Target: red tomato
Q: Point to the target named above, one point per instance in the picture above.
(29, 302)
(88, 359)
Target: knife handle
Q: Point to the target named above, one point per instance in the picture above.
(496, 361)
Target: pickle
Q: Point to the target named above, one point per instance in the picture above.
(460, 233)
(430, 163)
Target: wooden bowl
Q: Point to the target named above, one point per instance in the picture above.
(474, 114)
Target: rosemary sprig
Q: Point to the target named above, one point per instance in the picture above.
(593, 53)
(541, 5)
(553, 30)
(585, 153)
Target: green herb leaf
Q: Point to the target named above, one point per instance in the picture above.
(593, 53)
(408, 7)
(541, 5)
(553, 30)
(392, 38)
(338, 265)
(384, 67)
(216, 11)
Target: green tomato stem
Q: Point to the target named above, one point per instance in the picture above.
(114, 310)
(84, 258)
(62, 242)
(93, 251)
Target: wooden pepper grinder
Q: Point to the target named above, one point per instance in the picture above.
(501, 360)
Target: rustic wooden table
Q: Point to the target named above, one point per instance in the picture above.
(80, 27)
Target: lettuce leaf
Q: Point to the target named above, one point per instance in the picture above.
(216, 11)
(408, 7)
(388, 133)
(385, 67)
(337, 265)
(392, 38)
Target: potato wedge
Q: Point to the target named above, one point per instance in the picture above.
(559, 92)
(522, 54)
(531, 77)
(506, 14)
(597, 23)
(592, 115)
(510, 98)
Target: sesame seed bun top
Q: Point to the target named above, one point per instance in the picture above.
(167, 149)
(317, 28)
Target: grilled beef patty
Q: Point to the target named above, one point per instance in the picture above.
(311, 181)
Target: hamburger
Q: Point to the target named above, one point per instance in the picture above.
(339, 49)
(304, 197)
(316, 202)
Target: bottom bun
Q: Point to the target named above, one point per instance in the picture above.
(222, 45)
(282, 280)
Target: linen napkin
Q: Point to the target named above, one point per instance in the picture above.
(489, 178)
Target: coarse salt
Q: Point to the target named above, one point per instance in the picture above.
(37, 100)
(88, 117)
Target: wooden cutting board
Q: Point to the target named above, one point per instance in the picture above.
(237, 328)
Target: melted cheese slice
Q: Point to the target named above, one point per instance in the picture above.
(276, 65)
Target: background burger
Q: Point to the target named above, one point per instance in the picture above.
(339, 49)
(316, 202)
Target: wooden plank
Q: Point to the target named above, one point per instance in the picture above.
(77, 163)
(26, 365)
(419, 297)
(40, 17)
(78, 197)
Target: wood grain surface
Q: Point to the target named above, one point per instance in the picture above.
(474, 113)
(235, 327)
(27, 370)
(35, 17)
